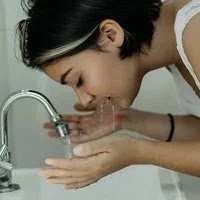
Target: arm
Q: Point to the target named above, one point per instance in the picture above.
(98, 158)
(101, 157)
(150, 124)
(179, 156)
(157, 126)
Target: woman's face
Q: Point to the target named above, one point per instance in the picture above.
(94, 75)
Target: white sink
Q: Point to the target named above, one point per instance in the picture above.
(133, 183)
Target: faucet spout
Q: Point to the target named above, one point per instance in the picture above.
(5, 165)
(61, 126)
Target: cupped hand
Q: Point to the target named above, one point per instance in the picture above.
(106, 119)
(97, 159)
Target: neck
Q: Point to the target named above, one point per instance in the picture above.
(163, 50)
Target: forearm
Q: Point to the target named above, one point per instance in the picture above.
(158, 126)
(179, 156)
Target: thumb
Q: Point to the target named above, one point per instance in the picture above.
(91, 148)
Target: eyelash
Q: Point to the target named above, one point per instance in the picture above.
(80, 82)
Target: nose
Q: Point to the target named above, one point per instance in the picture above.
(85, 98)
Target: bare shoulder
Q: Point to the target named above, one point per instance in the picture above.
(191, 39)
(191, 43)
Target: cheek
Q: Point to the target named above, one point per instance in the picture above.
(99, 82)
(107, 84)
(98, 86)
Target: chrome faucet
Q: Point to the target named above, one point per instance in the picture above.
(5, 158)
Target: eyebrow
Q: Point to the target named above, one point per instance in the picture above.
(63, 77)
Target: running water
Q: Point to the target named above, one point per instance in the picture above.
(113, 118)
(107, 101)
(101, 116)
(107, 104)
(68, 146)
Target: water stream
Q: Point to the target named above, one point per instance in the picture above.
(107, 102)
(68, 146)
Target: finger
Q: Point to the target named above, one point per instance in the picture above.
(52, 134)
(53, 172)
(75, 164)
(77, 185)
(72, 118)
(48, 125)
(56, 172)
(92, 147)
(65, 180)
(67, 118)
(73, 125)
(74, 133)
(79, 136)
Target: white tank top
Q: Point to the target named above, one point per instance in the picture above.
(188, 98)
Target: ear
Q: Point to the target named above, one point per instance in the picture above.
(111, 35)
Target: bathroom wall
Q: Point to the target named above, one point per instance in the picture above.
(29, 142)
(4, 86)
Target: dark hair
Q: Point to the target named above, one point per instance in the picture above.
(53, 24)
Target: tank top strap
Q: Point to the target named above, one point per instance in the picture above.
(184, 15)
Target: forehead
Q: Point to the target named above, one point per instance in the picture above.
(62, 63)
(67, 62)
(88, 58)
(55, 70)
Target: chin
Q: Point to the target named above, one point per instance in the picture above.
(122, 102)
(125, 104)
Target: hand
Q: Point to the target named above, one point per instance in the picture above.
(97, 159)
(103, 121)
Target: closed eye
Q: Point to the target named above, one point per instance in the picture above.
(80, 82)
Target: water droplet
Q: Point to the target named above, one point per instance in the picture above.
(113, 114)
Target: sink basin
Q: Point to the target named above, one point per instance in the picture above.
(140, 182)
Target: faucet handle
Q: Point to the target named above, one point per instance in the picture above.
(3, 164)
(6, 165)
(3, 150)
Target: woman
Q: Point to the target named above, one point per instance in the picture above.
(103, 49)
